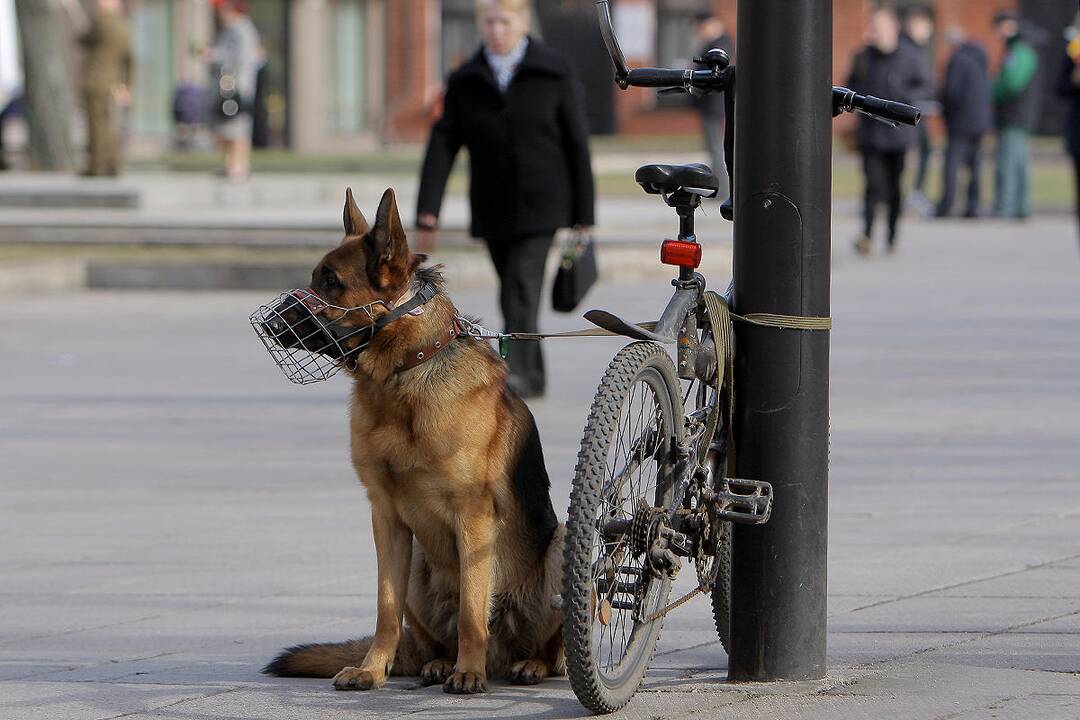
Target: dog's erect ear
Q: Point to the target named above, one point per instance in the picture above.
(390, 244)
(355, 223)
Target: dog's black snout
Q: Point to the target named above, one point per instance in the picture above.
(294, 326)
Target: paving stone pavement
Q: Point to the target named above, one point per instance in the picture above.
(174, 512)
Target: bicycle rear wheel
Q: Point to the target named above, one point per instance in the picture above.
(716, 562)
(626, 476)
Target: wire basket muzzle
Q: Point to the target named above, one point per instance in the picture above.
(309, 339)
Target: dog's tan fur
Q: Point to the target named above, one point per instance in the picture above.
(468, 553)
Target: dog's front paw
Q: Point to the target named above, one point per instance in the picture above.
(465, 683)
(528, 672)
(436, 672)
(352, 678)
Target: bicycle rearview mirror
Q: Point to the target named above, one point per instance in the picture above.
(603, 11)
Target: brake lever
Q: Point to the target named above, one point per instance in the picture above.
(673, 91)
(891, 123)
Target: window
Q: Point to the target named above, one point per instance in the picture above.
(676, 31)
(271, 18)
(460, 36)
(345, 98)
(151, 35)
(676, 39)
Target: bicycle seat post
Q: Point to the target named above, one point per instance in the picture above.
(686, 218)
(686, 205)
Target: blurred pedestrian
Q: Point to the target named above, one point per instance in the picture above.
(1017, 104)
(189, 114)
(918, 35)
(967, 107)
(107, 74)
(1069, 88)
(11, 75)
(260, 111)
(9, 109)
(711, 34)
(235, 58)
(888, 69)
(518, 107)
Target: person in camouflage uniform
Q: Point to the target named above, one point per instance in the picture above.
(107, 72)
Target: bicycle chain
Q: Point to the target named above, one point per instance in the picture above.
(671, 606)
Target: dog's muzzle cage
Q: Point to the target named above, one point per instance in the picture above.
(308, 346)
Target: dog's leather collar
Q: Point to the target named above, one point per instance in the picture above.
(424, 354)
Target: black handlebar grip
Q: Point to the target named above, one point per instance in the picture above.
(889, 109)
(658, 77)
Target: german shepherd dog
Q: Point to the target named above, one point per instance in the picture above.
(469, 549)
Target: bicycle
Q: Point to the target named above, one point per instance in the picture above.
(652, 486)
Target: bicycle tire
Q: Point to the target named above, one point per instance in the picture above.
(721, 592)
(650, 364)
(720, 596)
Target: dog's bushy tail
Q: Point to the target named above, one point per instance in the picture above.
(325, 660)
(318, 660)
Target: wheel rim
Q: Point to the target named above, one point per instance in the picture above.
(638, 466)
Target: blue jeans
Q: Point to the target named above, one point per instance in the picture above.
(1012, 186)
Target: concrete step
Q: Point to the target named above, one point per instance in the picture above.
(462, 267)
(71, 196)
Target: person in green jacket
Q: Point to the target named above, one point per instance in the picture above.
(106, 82)
(1016, 106)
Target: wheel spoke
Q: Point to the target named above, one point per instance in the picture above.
(638, 438)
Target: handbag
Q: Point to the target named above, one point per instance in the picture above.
(229, 103)
(577, 273)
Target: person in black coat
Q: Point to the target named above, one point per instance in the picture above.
(1069, 89)
(518, 107)
(918, 35)
(968, 108)
(892, 70)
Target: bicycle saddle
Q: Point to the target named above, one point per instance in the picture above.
(696, 179)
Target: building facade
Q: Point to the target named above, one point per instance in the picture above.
(352, 73)
(324, 67)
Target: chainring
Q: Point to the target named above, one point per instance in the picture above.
(708, 536)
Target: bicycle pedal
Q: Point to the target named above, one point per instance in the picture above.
(747, 502)
(605, 587)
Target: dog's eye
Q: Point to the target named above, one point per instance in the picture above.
(330, 279)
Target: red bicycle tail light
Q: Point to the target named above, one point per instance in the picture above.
(680, 253)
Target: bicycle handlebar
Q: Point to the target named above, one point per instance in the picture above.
(701, 80)
(889, 111)
(720, 76)
(657, 77)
